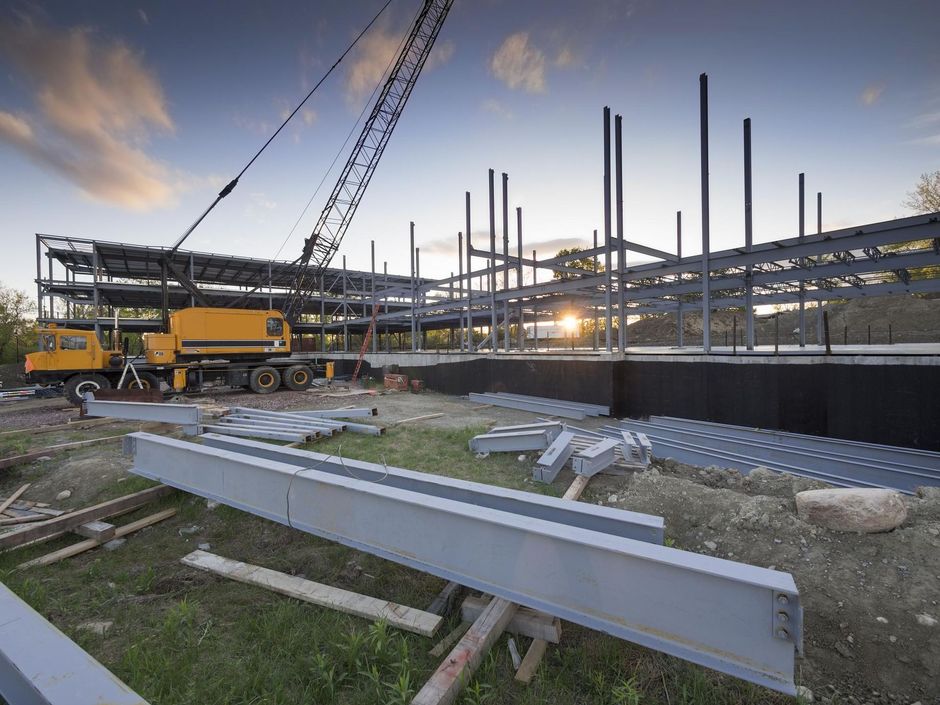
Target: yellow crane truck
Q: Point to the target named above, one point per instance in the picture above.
(235, 347)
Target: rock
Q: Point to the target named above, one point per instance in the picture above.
(43, 458)
(843, 650)
(521, 458)
(204, 547)
(881, 619)
(925, 620)
(188, 530)
(114, 544)
(613, 498)
(98, 628)
(852, 509)
(804, 694)
(64, 494)
(711, 545)
(211, 504)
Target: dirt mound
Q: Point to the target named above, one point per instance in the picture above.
(870, 600)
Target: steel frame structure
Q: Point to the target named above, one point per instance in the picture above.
(735, 618)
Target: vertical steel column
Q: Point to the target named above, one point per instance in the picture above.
(802, 220)
(469, 277)
(322, 313)
(411, 247)
(165, 295)
(748, 240)
(520, 323)
(192, 298)
(419, 295)
(461, 341)
(492, 265)
(679, 314)
(345, 310)
(270, 285)
(706, 246)
(596, 330)
(50, 279)
(820, 335)
(621, 251)
(506, 259)
(388, 345)
(375, 333)
(39, 277)
(535, 309)
(607, 243)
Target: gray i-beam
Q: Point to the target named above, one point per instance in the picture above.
(748, 241)
(469, 277)
(621, 252)
(802, 221)
(706, 270)
(738, 619)
(607, 244)
(819, 303)
(679, 314)
(506, 259)
(494, 342)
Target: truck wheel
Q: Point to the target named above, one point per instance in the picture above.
(148, 380)
(264, 380)
(76, 386)
(297, 377)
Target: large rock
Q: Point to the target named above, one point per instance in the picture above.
(862, 510)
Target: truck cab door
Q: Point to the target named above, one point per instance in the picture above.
(76, 351)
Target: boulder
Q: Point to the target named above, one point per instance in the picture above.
(852, 509)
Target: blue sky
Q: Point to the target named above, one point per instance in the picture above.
(120, 121)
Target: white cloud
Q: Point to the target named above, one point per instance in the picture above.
(872, 94)
(519, 64)
(567, 59)
(440, 54)
(96, 106)
(374, 53)
(491, 105)
(143, 16)
(309, 116)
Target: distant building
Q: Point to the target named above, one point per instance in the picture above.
(547, 332)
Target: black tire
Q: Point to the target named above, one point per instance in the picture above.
(148, 380)
(297, 377)
(76, 386)
(264, 380)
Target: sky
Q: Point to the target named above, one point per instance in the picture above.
(120, 121)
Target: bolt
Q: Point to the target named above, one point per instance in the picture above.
(783, 634)
(783, 617)
(783, 599)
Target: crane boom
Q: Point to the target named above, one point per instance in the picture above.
(325, 239)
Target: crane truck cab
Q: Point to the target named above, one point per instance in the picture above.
(74, 357)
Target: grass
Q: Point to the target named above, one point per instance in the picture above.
(183, 637)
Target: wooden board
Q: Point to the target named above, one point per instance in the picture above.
(12, 498)
(89, 544)
(526, 621)
(444, 602)
(530, 663)
(458, 666)
(407, 618)
(51, 450)
(66, 522)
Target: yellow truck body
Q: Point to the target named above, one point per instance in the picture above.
(205, 333)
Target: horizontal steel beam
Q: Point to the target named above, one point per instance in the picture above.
(189, 416)
(642, 527)
(589, 409)
(593, 459)
(39, 665)
(525, 405)
(554, 458)
(735, 618)
(255, 432)
(336, 413)
(537, 439)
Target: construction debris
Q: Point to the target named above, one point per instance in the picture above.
(864, 511)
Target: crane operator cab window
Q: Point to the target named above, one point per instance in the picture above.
(275, 326)
(47, 343)
(73, 342)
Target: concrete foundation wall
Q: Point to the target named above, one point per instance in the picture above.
(893, 401)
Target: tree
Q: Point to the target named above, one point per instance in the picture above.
(585, 263)
(16, 329)
(925, 198)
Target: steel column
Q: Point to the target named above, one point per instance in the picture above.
(506, 259)
(607, 241)
(748, 241)
(494, 343)
(706, 270)
(679, 313)
(621, 252)
(802, 222)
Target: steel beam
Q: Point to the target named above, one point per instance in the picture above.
(589, 409)
(336, 413)
(505, 442)
(526, 405)
(642, 527)
(739, 619)
(189, 416)
(39, 665)
(592, 460)
(268, 424)
(554, 458)
(254, 432)
(553, 428)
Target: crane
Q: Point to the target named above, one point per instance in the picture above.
(341, 206)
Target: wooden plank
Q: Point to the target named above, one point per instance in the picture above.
(98, 530)
(530, 663)
(526, 621)
(66, 522)
(426, 417)
(577, 487)
(407, 618)
(448, 640)
(89, 544)
(70, 426)
(444, 602)
(51, 450)
(458, 666)
(13, 497)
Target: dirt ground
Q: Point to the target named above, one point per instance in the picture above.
(870, 601)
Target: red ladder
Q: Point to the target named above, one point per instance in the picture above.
(365, 341)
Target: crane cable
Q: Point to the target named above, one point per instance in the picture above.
(234, 182)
